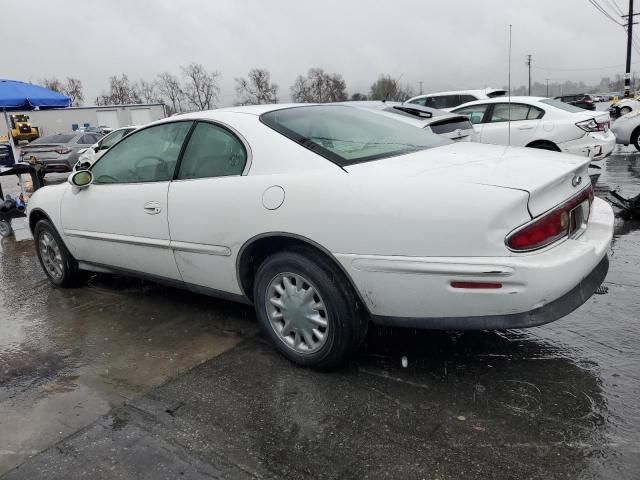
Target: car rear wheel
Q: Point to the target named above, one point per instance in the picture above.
(55, 259)
(635, 138)
(308, 309)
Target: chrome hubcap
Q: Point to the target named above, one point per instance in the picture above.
(50, 255)
(297, 313)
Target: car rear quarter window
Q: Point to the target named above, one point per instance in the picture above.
(474, 112)
(466, 99)
(212, 151)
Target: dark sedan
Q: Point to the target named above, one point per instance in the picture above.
(581, 100)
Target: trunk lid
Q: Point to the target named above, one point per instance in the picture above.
(41, 151)
(549, 177)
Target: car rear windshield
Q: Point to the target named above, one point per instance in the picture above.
(58, 138)
(347, 135)
(562, 106)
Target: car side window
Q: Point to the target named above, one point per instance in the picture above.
(474, 112)
(149, 155)
(501, 112)
(212, 151)
(86, 140)
(441, 101)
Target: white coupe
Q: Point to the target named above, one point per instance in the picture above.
(542, 123)
(328, 217)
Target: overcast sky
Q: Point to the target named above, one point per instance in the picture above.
(446, 44)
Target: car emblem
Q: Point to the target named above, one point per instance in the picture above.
(576, 180)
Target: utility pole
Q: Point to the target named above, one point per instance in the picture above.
(547, 79)
(529, 65)
(627, 73)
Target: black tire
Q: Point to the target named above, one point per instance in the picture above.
(346, 319)
(635, 138)
(70, 275)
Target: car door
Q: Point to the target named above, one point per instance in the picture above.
(525, 120)
(204, 201)
(120, 220)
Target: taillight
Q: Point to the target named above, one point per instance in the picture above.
(62, 150)
(592, 126)
(563, 221)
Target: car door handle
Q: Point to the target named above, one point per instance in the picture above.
(152, 208)
(525, 127)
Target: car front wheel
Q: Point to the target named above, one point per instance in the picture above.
(308, 309)
(55, 259)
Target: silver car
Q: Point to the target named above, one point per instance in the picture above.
(59, 152)
(627, 129)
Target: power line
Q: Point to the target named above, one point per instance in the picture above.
(615, 7)
(604, 12)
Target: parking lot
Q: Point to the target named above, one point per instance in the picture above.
(129, 379)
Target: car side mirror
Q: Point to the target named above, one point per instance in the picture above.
(81, 178)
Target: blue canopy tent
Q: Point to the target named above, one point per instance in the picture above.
(16, 95)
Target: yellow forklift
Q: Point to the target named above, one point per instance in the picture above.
(21, 129)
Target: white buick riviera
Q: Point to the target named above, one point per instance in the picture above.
(328, 217)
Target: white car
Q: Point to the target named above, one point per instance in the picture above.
(89, 156)
(449, 125)
(543, 123)
(624, 106)
(449, 100)
(327, 217)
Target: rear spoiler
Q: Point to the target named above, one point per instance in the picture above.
(415, 110)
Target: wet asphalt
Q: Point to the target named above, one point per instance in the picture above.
(130, 380)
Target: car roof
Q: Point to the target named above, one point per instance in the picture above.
(483, 92)
(523, 99)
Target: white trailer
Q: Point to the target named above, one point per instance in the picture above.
(62, 120)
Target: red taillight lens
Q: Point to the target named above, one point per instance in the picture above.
(552, 226)
(62, 150)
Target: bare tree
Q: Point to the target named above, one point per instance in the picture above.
(257, 88)
(358, 97)
(148, 91)
(319, 87)
(121, 92)
(51, 83)
(73, 89)
(201, 87)
(171, 91)
(389, 88)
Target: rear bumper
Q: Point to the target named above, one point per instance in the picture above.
(416, 291)
(550, 312)
(595, 146)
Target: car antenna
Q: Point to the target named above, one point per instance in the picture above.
(509, 89)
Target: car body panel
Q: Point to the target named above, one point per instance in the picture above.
(404, 224)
